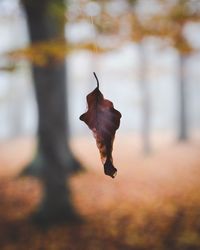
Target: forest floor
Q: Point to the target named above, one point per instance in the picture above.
(153, 202)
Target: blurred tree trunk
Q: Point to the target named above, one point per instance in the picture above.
(182, 119)
(54, 158)
(146, 103)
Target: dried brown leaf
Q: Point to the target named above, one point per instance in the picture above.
(103, 120)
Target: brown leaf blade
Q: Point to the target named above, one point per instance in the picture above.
(103, 120)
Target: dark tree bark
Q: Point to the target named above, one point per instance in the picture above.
(182, 91)
(146, 103)
(54, 160)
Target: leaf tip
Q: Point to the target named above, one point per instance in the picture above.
(109, 169)
(82, 117)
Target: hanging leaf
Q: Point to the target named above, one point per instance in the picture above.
(103, 120)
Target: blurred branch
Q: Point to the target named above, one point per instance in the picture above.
(53, 51)
(168, 25)
(12, 67)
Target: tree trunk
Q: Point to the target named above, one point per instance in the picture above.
(182, 91)
(54, 159)
(146, 107)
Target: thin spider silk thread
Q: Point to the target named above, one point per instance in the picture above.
(95, 36)
(94, 45)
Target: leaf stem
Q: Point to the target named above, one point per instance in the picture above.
(96, 79)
